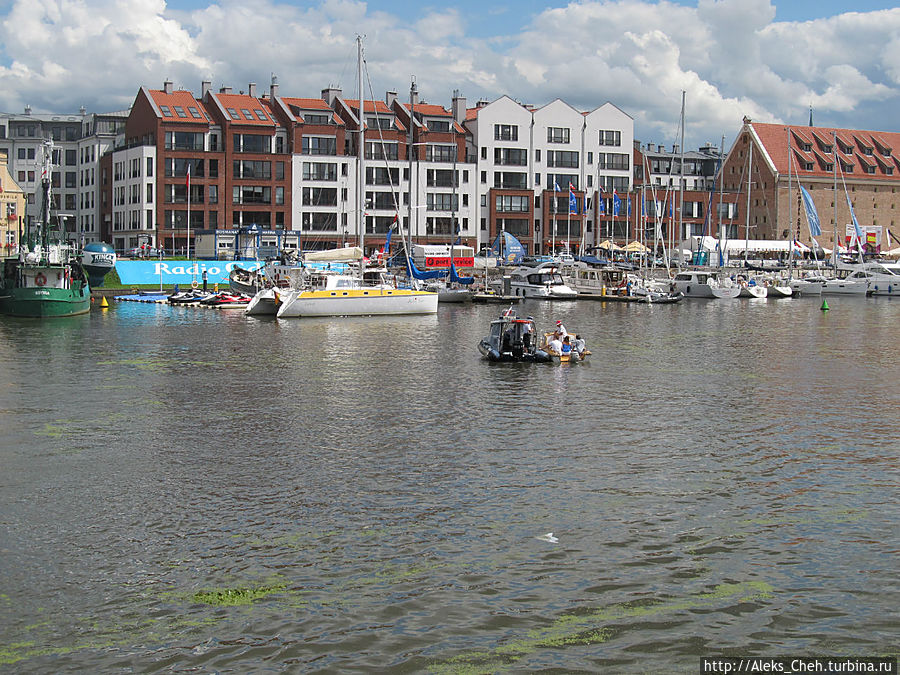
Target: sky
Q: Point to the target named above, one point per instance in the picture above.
(767, 59)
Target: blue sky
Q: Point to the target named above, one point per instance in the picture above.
(767, 59)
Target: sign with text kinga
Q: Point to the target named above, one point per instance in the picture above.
(171, 272)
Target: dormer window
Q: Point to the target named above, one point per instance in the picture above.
(438, 125)
(868, 151)
(379, 122)
(311, 118)
(806, 147)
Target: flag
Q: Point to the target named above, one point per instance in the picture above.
(629, 207)
(556, 186)
(187, 182)
(859, 236)
(812, 216)
(573, 203)
(617, 203)
(601, 205)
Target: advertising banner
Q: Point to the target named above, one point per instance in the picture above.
(171, 272)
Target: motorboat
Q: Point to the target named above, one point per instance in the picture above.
(226, 300)
(512, 340)
(882, 278)
(851, 285)
(751, 289)
(808, 285)
(703, 284)
(543, 282)
(777, 287)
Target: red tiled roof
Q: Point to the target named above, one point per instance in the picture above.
(245, 110)
(298, 105)
(370, 106)
(774, 138)
(180, 104)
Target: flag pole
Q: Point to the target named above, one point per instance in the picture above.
(188, 184)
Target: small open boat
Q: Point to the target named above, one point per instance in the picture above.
(570, 349)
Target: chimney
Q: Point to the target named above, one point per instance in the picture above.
(251, 90)
(273, 88)
(651, 147)
(331, 94)
(225, 90)
(458, 107)
(389, 98)
(167, 86)
(83, 111)
(414, 93)
(27, 109)
(205, 86)
(675, 148)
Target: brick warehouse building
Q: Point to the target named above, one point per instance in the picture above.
(869, 167)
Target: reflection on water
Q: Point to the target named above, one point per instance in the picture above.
(189, 488)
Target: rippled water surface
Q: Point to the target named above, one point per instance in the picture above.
(186, 489)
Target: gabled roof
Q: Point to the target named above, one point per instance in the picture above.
(849, 149)
(179, 106)
(316, 105)
(245, 110)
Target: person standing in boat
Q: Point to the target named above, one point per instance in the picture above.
(560, 332)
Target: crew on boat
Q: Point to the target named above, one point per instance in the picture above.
(560, 332)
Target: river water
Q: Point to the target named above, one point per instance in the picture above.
(196, 490)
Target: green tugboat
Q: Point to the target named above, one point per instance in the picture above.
(47, 279)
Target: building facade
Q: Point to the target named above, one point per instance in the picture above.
(767, 162)
(12, 208)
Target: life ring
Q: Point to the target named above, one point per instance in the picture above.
(194, 284)
(40, 279)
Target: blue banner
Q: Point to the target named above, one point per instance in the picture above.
(812, 216)
(171, 272)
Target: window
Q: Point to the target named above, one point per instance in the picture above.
(439, 178)
(439, 153)
(613, 160)
(319, 145)
(251, 194)
(505, 179)
(261, 115)
(311, 118)
(71, 157)
(183, 140)
(380, 175)
(510, 156)
(382, 150)
(319, 196)
(165, 111)
(441, 202)
(324, 222)
(512, 203)
(323, 171)
(194, 112)
(557, 135)
(149, 199)
(252, 143)
(213, 168)
(379, 122)
(506, 132)
(562, 158)
(233, 113)
(252, 169)
(213, 194)
(149, 167)
(247, 114)
(610, 137)
(279, 195)
(180, 111)
(438, 125)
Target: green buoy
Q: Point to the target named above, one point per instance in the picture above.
(825, 305)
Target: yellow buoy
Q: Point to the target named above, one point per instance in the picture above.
(103, 303)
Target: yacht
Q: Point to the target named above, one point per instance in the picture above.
(703, 284)
(543, 282)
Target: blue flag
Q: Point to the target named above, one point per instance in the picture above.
(556, 186)
(859, 236)
(617, 204)
(573, 203)
(812, 216)
(629, 207)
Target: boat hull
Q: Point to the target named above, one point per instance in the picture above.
(496, 356)
(357, 302)
(41, 303)
(753, 292)
(842, 287)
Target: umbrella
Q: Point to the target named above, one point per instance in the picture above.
(609, 246)
(636, 247)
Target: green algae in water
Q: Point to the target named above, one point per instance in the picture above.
(583, 629)
(233, 597)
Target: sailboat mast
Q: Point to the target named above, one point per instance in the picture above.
(749, 183)
(789, 200)
(361, 150)
(681, 183)
(834, 201)
(46, 170)
(412, 112)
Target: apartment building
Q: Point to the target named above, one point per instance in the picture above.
(547, 174)
(80, 141)
(12, 208)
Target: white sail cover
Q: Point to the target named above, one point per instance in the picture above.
(346, 254)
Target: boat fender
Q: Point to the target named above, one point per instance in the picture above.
(688, 289)
(40, 279)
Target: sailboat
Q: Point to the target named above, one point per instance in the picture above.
(356, 294)
(47, 279)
